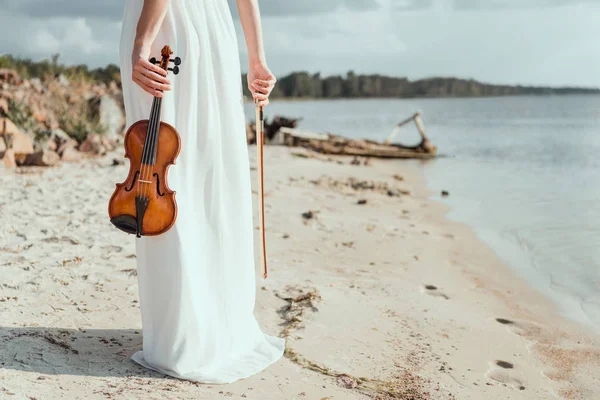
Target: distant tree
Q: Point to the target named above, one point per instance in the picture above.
(302, 84)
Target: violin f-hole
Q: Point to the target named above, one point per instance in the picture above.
(135, 177)
(158, 184)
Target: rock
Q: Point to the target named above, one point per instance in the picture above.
(62, 140)
(71, 154)
(362, 201)
(60, 135)
(3, 106)
(39, 117)
(308, 215)
(42, 158)
(109, 114)
(9, 159)
(64, 146)
(63, 80)
(9, 76)
(93, 144)
(346, 382)
(7, 127)
(21, 144)
(50, 145)
(37, 85)
(116, 162)
(108, 143)
(445, 193)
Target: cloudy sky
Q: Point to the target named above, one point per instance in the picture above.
(543, 42)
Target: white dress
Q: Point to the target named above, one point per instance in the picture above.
(197, 282)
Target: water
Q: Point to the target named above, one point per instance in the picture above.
(523, 171)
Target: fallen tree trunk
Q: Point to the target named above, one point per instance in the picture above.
(284, 133)
(333, 144)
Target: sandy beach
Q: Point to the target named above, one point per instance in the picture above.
(379, 295)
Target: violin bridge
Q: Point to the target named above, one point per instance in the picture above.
(141, 180)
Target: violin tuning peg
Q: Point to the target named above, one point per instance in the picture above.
(153, 60)
(175, 70)
(176, 61)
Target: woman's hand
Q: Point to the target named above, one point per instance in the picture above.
(150, 77)
(260, 82)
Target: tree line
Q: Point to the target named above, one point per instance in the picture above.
(306, 85)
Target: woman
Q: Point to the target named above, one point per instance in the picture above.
(197, 280)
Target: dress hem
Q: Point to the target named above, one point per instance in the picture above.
(138, 357)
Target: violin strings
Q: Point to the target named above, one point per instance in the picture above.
(153, 138)
(147, 148)
(146, 151)
(150, 146)
(153, 141)
(149, 139)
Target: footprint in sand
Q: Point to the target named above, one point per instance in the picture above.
(521, 328)
(502, 371)
(434, 291)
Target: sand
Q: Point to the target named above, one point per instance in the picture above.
(379, 295)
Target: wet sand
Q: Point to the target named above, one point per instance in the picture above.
(379, 295)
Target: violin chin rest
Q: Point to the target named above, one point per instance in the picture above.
(126, 223)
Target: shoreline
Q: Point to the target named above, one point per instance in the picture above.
(553, 338)
(567, 305)
(541, 309)
(378, 294)
(559, 309)
(248, 100)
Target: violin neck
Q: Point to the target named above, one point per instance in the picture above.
(151, 142)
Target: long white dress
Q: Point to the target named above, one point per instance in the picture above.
(197, 282)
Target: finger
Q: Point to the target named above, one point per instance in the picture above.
(153, 84)
(264, 83)
(151, 74)
(260, 89)
(152, 67)
(153, 92)
(263, 103)
(260, 96)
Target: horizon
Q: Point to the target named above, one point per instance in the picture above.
(344, 74)
(541, 43)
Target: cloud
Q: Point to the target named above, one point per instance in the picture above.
(462, 5)
(106, 9)
(412, 5)
(113, 9)
(78, 40)
(504, 41)
(289, 8)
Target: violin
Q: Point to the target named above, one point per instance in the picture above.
(144, 204)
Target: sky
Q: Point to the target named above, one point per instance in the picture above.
(538, 42)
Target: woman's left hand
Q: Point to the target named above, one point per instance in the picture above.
(261, 82)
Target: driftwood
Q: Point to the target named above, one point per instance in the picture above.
(327, 143)
(333, 144)
(282, 131)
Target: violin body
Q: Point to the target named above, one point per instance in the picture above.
(144, 204)
(147, 182)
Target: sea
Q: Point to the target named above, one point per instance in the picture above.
(523, 171)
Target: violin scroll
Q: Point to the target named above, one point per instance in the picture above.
(164, 62)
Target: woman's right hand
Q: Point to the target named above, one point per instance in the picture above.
(148, 76)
